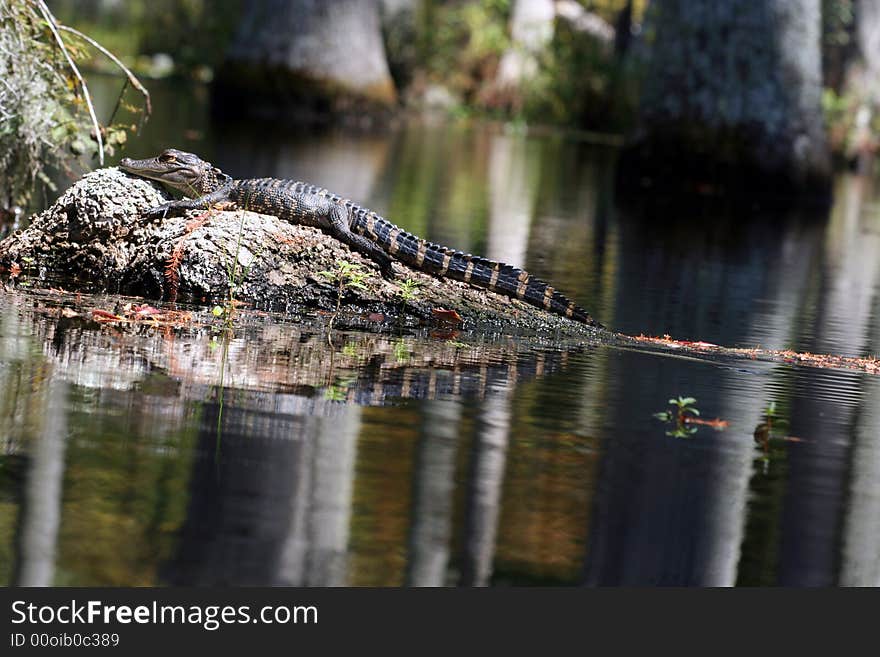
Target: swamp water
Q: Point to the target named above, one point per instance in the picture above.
(149, 455)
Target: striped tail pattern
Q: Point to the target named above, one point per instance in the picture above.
(443, 261)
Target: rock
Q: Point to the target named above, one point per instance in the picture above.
(94, 238)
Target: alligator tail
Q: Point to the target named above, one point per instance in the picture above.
(482, 272)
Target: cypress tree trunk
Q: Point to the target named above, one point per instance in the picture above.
(863, 88)
(400, 29)
(531, 30)
(732, 99)
(306, 58)
(868, 31)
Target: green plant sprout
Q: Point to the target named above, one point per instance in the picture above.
(683, 408)
(408, 290)
(346, 275)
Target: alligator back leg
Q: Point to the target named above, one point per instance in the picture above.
(339, 228)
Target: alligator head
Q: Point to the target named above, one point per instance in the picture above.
(183, 171)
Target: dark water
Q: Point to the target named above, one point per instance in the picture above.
(146, 456)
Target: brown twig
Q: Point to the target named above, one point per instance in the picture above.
(148, 108)
(53, 25)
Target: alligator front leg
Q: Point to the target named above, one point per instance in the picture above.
(177, 208)
(339, 228)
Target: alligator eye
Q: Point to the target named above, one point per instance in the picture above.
(167, 157)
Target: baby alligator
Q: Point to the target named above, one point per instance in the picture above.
(359, 228)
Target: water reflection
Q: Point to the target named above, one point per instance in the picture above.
(483, 507)
(861, 533)
(41, 506)
(144, 456)
(431, 531)
(269, 499)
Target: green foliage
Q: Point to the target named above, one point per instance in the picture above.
(838, 17)
(462, 43)
(579, 80)
(193, 32)
(579, 83)
(409, 289)
(346, 275)
(44, 121)
(841, 113)
(685, 405)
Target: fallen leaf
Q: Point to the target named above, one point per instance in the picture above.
(105, 316)
(444, 315)
(698, 345)
(146, 310)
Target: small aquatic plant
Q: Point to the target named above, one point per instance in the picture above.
(682, 409)
(686, 418)
(346, 275)
(772, 425)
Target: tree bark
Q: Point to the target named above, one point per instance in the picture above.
(733, 96)
(868, 31)
(306, 58)
(400, 28)
(863, 87)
